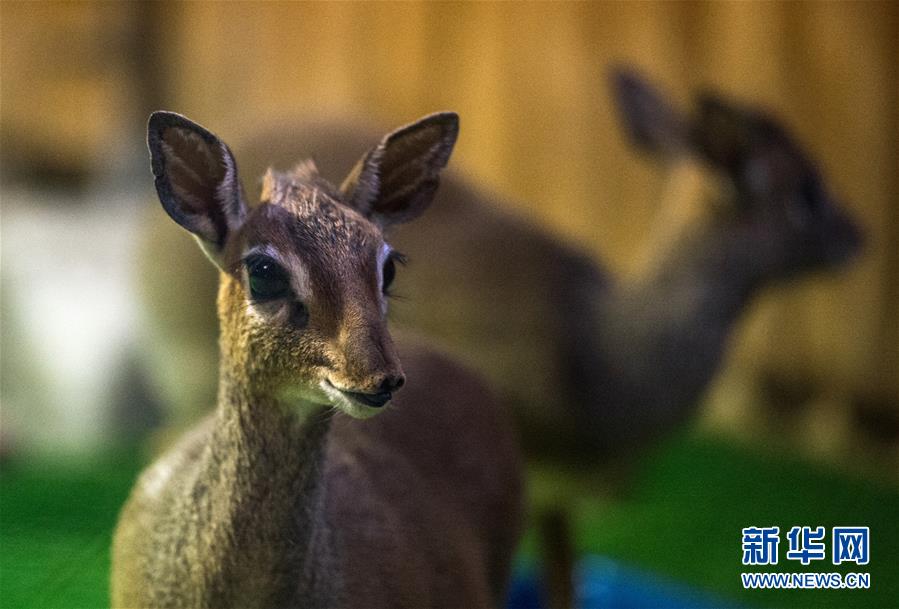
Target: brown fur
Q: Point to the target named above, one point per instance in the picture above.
(276, 500)
(416, 507)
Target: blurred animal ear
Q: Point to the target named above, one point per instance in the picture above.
(396, 181)
(651, 121)
(750, 146)
(196, 180)
(722, 133)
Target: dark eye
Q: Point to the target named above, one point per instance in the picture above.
(389, 272)
(811, 191)
(268, 280)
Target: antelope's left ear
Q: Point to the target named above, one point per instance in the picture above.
(196, 180)
(396, 181)
(722, 133)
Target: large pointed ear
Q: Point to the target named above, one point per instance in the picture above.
(397, 179)
(750, 146)
(196, 179)
(722, 133)
(652, 122)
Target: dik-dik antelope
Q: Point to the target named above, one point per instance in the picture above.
(272, 501)
(594, 366)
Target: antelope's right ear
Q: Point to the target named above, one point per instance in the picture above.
(196, 179)
(397, 179)
(652, 122)
(723, 132)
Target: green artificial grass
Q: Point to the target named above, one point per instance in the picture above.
(56, 521)
(681, 519)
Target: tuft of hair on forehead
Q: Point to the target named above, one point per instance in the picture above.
(277, 185)
(306, 171)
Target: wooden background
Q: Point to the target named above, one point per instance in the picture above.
(79, 78)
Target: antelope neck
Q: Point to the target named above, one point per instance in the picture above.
(266, 462)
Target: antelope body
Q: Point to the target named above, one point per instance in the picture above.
(275, 500)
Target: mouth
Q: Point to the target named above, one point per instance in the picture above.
(375, 400)
(356, 402)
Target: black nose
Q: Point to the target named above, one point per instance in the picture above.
(392, 383)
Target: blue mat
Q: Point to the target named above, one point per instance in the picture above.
(603, 583)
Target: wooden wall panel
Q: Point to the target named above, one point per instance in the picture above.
(63, 66)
